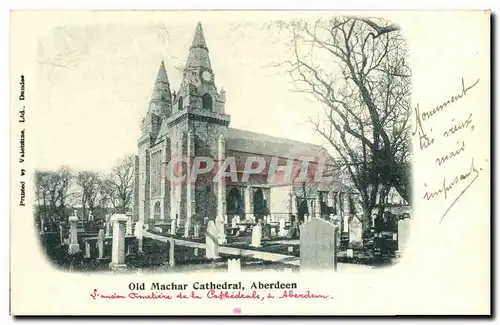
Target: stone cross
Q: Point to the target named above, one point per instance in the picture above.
(318, 248)
(256, 235)
(100, 243)
(212, 247)
(118, 247)
(234, 265)
(73, 243)
(221, 231)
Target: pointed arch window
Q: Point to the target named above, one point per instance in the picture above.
(207, 102)
(180, 103)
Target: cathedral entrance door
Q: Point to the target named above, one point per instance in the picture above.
(303, 209)
(259, 204)
(234, 202)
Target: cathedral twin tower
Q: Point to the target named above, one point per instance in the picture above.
(188, 123)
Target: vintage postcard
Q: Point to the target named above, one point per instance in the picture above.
(250, 163)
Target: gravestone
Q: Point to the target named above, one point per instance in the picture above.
(139, 234)
(355, 233)
(41, 225)
(234, 222)
(345, 223)
(100, 243)
(290, 249)
(306, 218)
(87, 248)
(225, 219)
(196, 231)
(61, 235)
(187, 228)
(73, 235)
(212, 246)
(234, 265)
(221, 230)
(129, 225)
(256, 236)
(171, 253)
(282, 231)
(266, 232)
(108, 231)
(318, 249)
(195, 252)
(118, 246)
(173, 227)
(350, 253)
(293, 231)
(403, 233)
(238, 220)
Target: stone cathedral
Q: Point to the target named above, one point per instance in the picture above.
(192, 122)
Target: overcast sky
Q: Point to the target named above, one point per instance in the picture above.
(96, 81)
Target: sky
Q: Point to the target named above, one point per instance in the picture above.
(95, 82)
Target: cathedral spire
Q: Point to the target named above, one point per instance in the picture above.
(162, 74)
(198, 53)
(161, 89)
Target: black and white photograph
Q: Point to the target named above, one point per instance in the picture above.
(225, 145)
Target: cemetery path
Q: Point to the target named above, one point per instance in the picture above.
(273, 257)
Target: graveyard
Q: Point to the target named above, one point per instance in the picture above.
(223, 244)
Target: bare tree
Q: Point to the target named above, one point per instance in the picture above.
(90, 184)
(121, 183)
(51, 191)
(356, 68)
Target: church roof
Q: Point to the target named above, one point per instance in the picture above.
(198, 53)
(263, 144)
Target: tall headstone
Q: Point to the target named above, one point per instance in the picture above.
(403, 233)
(318, 249)
(221, 231)
(234, 265)
(355, 233)
(234, 222)
(173, 227)
(41, 225)
(187, 228)
(129, 225)
(100, 243)
(212, 246)
(171, 253)
(196, 230)
(73, 241)
(256, 236)
(118, 246)
(61, 234)
(139, 234)
(282, 231)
